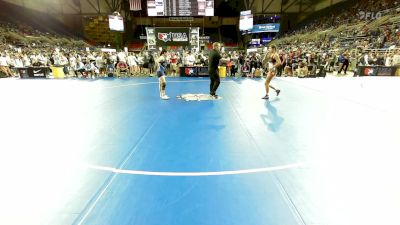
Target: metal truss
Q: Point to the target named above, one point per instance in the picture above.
(112, 5)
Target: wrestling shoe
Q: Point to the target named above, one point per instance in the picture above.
(265, 97)
(164, 97)
(214, 96)
(277, 92)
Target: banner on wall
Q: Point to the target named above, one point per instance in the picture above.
(194, 38)
(151, 38)
(203, 40)
(172, 36)
(265, 41)
(264, 28)
(255, 41)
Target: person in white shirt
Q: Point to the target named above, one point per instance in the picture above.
(388, 60)
(9, 60)
(366, 58)
(26, 60)
(136, 68)
(78, 57)
(122, 56)
(72, 62)
(63, 60)
(4, 67)
(114, 58)
(80, 68)
(91, 69)
(64, 64)
(131, 63)
(190, 59)
(100, 63)
(140, 59)
(18, 61)
(56, 58)
(396, 59)
(42, 60)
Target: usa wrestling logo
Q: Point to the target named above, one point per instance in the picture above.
(165, 37)
(189, 71)
(369, 71)
(175, 37)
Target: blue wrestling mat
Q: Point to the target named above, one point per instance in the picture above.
(111, 152)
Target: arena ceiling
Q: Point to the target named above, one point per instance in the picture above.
(80, 7)
(288, 6)
(223, 7)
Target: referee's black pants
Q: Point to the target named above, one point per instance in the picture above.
(215, 81)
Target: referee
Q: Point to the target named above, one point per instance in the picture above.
(214, 58)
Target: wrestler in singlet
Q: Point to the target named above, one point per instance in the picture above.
(273, 63)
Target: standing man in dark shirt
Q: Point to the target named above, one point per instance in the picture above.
(214, 58)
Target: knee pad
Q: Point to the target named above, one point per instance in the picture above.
(163, 85)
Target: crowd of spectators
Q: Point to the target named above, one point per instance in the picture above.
(344, 38)
(22, 46)
(337, 42)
